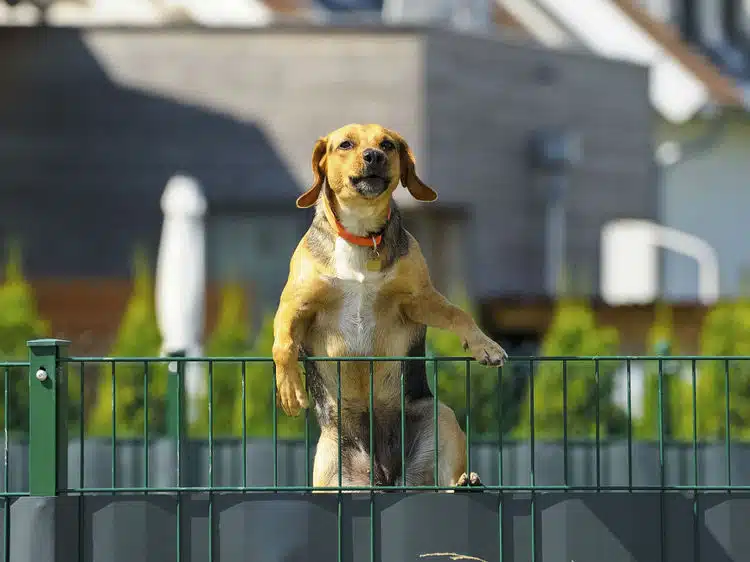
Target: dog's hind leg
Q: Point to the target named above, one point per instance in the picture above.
(451, 456)
(452, 462)
(326, 463)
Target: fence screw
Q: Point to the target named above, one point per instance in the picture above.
(41, 375)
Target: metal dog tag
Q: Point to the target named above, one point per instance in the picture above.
(373, 264)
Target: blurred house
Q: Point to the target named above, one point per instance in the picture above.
(705, 191)
(94, 122)
(698, 55)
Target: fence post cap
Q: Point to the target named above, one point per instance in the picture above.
(47, 342)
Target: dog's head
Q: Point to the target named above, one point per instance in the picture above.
(362, 164)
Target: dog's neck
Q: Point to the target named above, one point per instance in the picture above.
(358, 221)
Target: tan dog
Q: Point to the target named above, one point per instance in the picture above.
(359, 286)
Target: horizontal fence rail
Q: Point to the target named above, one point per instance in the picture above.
(103, 428)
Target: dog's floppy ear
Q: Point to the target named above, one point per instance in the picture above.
(309, 197)
(409, 178)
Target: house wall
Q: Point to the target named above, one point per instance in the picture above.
(483, 100)
(707, 195)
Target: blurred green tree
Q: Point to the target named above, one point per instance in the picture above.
(230, 338)
(725, 332)
(487, 385)
(675, 393)
(19, 323)
(259, 394)
(573, 332)
(138, 336)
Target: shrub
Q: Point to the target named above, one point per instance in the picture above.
(19, 323)
(138, 336)
(573, 332)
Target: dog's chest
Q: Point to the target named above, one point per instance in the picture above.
(359, 290)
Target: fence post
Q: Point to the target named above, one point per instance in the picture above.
(48, 417)
(176, 410)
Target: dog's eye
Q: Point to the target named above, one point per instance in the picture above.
(387, 145)
(346, 145)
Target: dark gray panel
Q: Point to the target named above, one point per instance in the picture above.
(517, 528)
(292, 527)
(195, 527)
(355, 527)
(5, 507)
(132, 527)
(412, 526)
(725, 520)
(275, 527)
(44, 529)
(681, 527)
(583, 526)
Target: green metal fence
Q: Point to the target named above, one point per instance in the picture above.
(589, 425)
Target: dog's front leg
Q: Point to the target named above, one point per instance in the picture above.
(431, 308)
(288, 324)
(297, 308)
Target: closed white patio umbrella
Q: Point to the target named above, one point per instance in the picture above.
(180, 279)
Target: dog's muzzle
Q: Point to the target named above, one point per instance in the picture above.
(370, 185)
(374, 178)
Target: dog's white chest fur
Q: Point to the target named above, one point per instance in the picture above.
(360, 288)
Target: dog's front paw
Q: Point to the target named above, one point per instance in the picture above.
(290, 393)
(468, 481)
(486, 351)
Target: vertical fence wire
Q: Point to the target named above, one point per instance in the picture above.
(728, 426)
(500, 431)
(662, 471)
(243, 375)
(435, 424)
(340, 469)
(372, 461)
(179, 370)
(274, 430)
(211, 457)
(338, 421)
(630, 424)
(403, 430)
(532, 474)
(308, 441)
(211, 424)
(468, 421)
(81, 435)
(145, 425)
(6, 464)
(566, 480)
(597, 407)
(81, 424)
(114, 425)
(696, 513)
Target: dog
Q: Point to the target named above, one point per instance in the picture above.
(359, 286)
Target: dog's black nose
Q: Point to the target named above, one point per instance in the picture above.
(373, 156)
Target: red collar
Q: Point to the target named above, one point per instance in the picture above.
(369, 241)
(365, 241)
